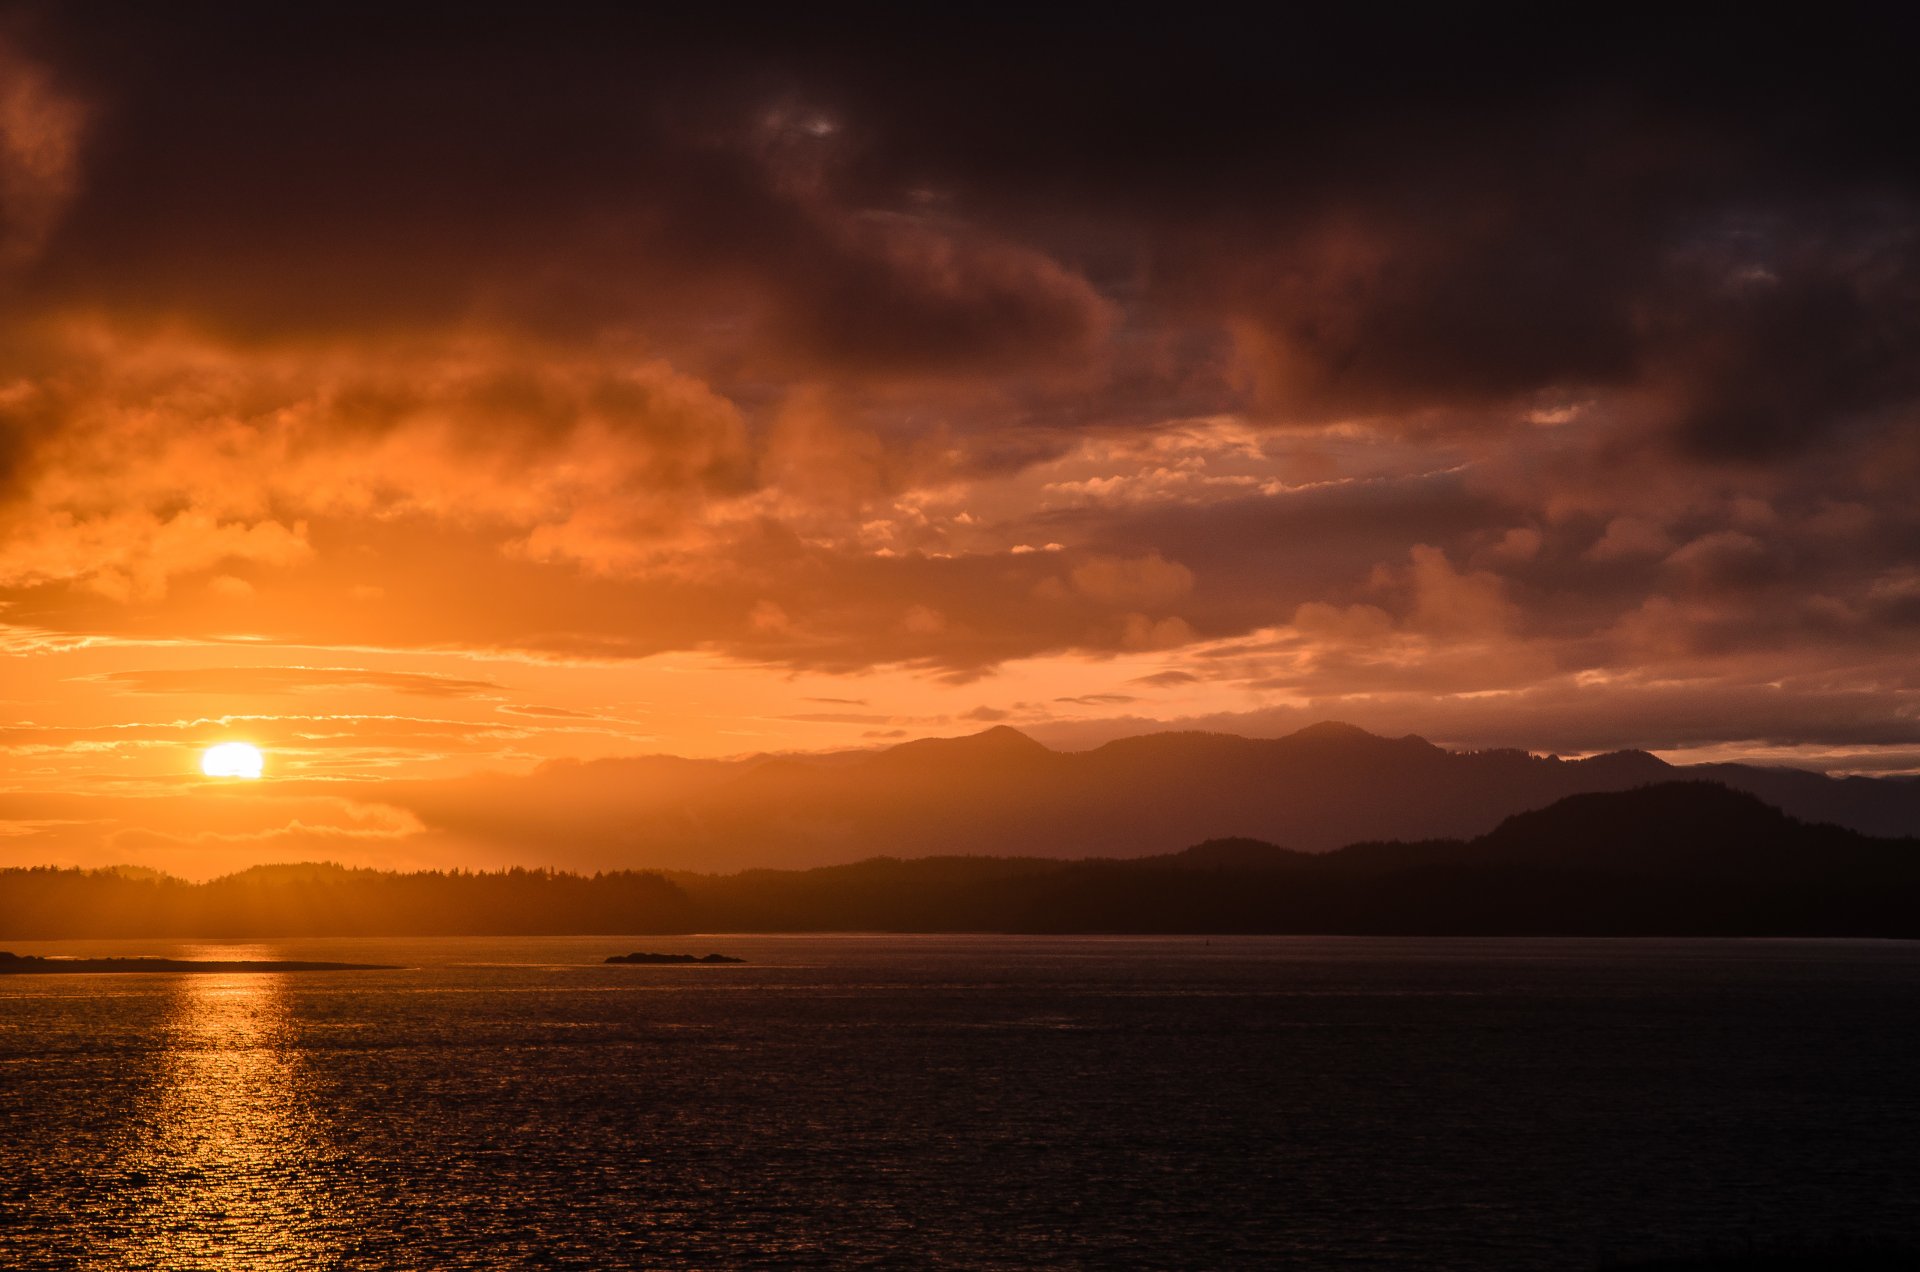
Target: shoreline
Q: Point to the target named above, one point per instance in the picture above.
(34, 965)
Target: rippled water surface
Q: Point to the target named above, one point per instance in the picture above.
(966, 1102)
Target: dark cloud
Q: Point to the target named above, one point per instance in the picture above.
(1471, 351)
(1427, 213)
(1428, 220)
(1167, 679)
(367, 171)
(1794, 325)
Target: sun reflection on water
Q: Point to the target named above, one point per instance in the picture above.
(229, 1165)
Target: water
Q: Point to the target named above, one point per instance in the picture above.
(963, 1102)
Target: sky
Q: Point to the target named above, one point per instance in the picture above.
(428, 395)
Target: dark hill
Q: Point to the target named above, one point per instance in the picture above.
(1000, 792)
(1682, 858)
(1677, 859)
(1000, 744)
(1229, 854)
(1674, 826)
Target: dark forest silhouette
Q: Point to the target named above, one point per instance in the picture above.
(1690, 858)
(12, 964)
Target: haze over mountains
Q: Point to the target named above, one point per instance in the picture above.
(1002, 793)
(1329, 830)
(1673, 859)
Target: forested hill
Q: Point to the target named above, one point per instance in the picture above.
(1688, 858)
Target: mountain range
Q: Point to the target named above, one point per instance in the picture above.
(1000, 792)
(1672, 859)
(1677, 858)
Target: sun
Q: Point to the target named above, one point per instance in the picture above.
(232, 759)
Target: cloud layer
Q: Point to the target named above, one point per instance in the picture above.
(1447, 376)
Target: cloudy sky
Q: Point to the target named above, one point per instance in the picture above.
(418, 394)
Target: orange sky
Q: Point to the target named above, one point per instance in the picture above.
(725, 397)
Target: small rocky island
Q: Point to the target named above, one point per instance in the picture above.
(34, 965)
(673, 958)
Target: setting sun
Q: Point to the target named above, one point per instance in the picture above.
(232, 759)
(914, 636)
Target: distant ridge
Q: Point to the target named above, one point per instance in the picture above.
(29, 965)
(1674, 859)
(1001, 741)
(1001, 792)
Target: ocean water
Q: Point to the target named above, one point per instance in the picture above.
(969, 1102)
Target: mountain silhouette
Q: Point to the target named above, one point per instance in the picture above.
(1000, 792)
(1675, 859)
